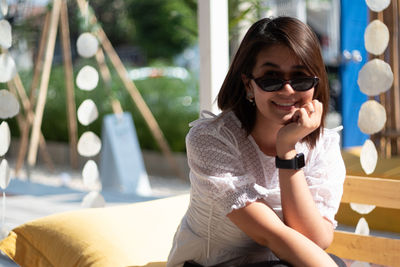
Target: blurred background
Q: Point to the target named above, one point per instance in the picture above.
(158, 43)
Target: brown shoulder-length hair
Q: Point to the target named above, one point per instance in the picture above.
(266, 32)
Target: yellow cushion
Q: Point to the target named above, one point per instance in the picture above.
(138, 234)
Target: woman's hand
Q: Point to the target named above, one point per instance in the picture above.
(305, 120)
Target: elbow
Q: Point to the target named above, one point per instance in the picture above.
(324, 240)
(261, 240)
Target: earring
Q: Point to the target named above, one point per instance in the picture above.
(250, 97)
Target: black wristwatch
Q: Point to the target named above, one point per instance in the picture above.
(294, 164)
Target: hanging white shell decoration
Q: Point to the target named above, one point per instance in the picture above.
(4, 174)
(360, 264)
(368, 157)
(89, 144)
(372, 117)
(377, 5)
(362, 227)
(93, 200)
(4, 7)
(87, 45)
(87, 78)
(90, 174)
(9, 106)
(87, 112)
(4, 232)
(375, 77)
(5, 33)
(7, 68)
(5, 138)
(362, 208)
(376, 37)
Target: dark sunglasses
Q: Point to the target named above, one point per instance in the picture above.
(273, 84)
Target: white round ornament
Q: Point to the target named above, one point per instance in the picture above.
(360, 264)
(9, 106)
(90, 173)
(4, 7)
(87, 78)
(375, 77)
(371, 117)
(87, 45)
(377, 5)
(7, 68)
(376, 37)
(4, 232)
(87, 112)
(362, 208)
(89, 144)
(368, 157)
(5, 33)
(5, 138)
(93, 200)
(5, 175)
(362, 227)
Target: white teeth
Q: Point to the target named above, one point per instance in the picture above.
(285, 104)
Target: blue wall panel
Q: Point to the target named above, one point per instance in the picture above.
(354, 20)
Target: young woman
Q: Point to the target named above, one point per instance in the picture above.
(266, 176)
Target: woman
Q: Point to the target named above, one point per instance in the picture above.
(266, 176)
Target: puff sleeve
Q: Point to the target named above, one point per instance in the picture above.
(326, 173)
(217, 171)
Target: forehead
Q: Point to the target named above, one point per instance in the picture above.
(278, 56)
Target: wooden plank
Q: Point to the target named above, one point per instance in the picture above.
(69, 84)
(18, 89)
(396, 88)
(37, 122)
(24, 140)
(374, 191)
(378, 250)
(104, 71)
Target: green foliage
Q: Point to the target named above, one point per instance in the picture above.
(164, 96)
(163, 28)
(244, 10)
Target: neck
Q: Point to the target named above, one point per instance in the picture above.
(264, 133)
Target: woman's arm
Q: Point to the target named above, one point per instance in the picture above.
(298, 207)
(261, 224)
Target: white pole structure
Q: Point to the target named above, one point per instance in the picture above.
(214, 50)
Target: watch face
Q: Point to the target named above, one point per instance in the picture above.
(300, 161)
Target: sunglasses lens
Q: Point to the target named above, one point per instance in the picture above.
(303, 84)
(270, 85)
(299, 84)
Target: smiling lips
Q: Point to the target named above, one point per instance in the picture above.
(288, 106)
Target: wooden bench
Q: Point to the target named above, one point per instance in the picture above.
(379, 250)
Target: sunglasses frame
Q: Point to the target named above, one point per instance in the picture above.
(315, 80)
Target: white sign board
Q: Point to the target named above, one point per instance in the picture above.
(121, 165)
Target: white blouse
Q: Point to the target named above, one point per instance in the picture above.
(228, 171)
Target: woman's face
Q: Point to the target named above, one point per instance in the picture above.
(280, 62)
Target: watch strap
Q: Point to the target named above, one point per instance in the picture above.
(294, 164)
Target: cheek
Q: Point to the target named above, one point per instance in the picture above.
(308, 96)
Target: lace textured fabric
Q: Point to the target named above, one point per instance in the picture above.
(228, 171)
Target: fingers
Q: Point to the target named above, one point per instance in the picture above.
(309, 107)
(310, 114)
(313, 107)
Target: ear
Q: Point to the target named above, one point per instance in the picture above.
(246, 81)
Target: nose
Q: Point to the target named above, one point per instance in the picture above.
(287, 88)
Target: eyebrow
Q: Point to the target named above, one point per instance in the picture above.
(270, 64)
